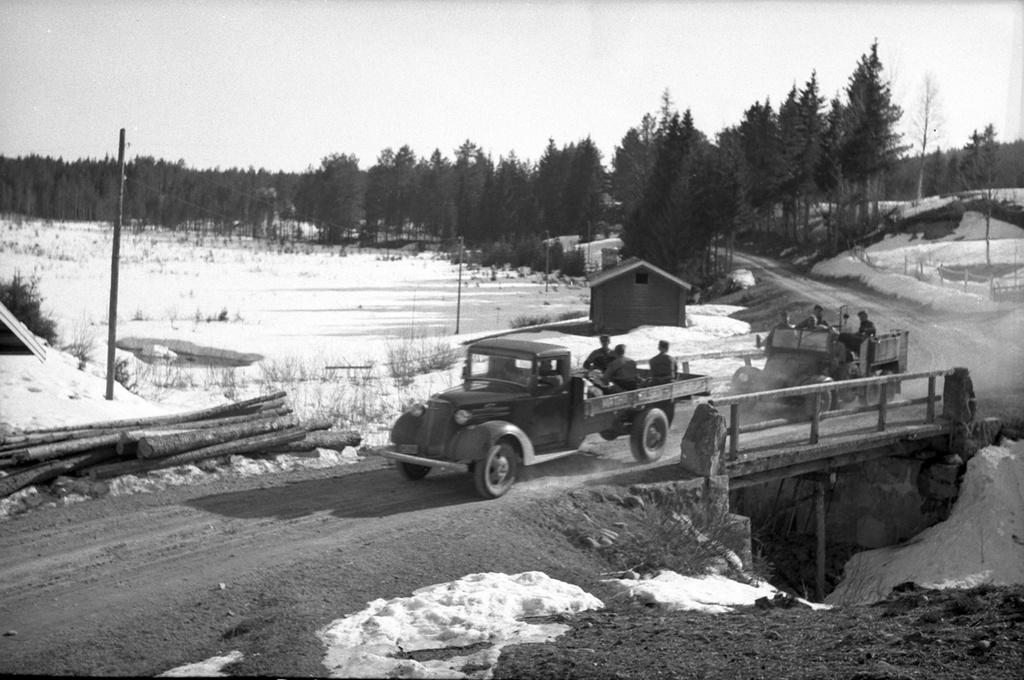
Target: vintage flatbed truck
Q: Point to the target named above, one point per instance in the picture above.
(822, 355)
(521, 404)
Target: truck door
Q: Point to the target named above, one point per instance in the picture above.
(552, 406)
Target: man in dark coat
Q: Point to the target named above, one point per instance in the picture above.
(663, 365)
(620, 376)
(867, 327)
(600, 357)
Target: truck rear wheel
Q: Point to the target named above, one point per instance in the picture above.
(412, 471)
(823, 400)
(649, 434)
(873, 393)
(496, 473)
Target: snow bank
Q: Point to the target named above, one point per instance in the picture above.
(949, 298)
(904, 265)
(54, 393)
(211, 668)
(478, 608)
(982, 542)
(714, 594)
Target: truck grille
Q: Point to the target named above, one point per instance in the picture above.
(435, 428)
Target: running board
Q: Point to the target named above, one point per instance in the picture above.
(539, 458)
(426, 462)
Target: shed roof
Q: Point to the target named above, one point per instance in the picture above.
(633, 263)
(16, 338)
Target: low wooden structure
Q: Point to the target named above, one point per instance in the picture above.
(714, 446)
(16, 338)
(635, 293)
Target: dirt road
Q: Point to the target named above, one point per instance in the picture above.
(135, 585)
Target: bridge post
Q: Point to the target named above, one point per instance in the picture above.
(819, 553)
(958, 396)
(734, 431)
(703, 443)
(883, 402)
(930, 417)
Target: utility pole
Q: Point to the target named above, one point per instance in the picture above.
(458, 297)
(547, 258)
(112, 316)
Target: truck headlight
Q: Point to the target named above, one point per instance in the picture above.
(462, 416)
(417, 409)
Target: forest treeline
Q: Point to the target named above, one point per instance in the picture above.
(678, 196)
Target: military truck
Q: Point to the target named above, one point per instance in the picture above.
(521, 404)
(820, 355)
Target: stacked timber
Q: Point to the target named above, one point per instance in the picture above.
(261, 425)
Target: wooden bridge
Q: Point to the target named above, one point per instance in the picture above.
(877, 425)
(763, 441)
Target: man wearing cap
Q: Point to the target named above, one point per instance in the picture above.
(663, 365)
(867, 328)
(601, 357)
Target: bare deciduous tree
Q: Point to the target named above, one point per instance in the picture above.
(926, 126)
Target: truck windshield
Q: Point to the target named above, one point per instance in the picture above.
(490, 367)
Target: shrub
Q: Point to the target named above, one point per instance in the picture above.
(653, 533)
(123, 375)
(81, 344)
(22, 297)
(417, 353)
(524, 320)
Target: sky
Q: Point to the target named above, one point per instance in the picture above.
(280, 84)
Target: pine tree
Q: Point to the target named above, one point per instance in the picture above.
(872, 144)
(979, 172)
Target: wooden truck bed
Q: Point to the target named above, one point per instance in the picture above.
(686, 385)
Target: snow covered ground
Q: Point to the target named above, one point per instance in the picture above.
(906, 266)
(351, 305)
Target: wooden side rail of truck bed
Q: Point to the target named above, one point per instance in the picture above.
(685, 385)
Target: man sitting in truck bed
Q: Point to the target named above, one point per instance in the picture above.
(663, 365)
(621, 375)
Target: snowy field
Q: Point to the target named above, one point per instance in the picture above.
(318, 306)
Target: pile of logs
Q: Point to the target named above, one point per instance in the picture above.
(107, 449)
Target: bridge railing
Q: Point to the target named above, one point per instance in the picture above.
(883, 405)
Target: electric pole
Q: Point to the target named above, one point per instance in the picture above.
(112, 316)
(458, 297)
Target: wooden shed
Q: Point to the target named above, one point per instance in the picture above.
(636, 293)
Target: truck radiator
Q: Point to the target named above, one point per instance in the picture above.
(434, 432)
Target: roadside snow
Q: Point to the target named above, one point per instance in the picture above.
(211, 668)
(713, 594)
(905, 265)
(982, 542)
(478, 608)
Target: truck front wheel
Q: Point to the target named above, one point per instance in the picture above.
(413, 471)
(647, 439)
(496, 473)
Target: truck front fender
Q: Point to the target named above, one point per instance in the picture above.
(473, 443)
(405, 428)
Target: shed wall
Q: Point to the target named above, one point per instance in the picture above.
(621, 303)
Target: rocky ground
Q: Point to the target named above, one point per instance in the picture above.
(916, 633)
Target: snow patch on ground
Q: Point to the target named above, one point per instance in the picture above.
(478, 608)
(211, 668)
(982, 542)
(714, 594)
